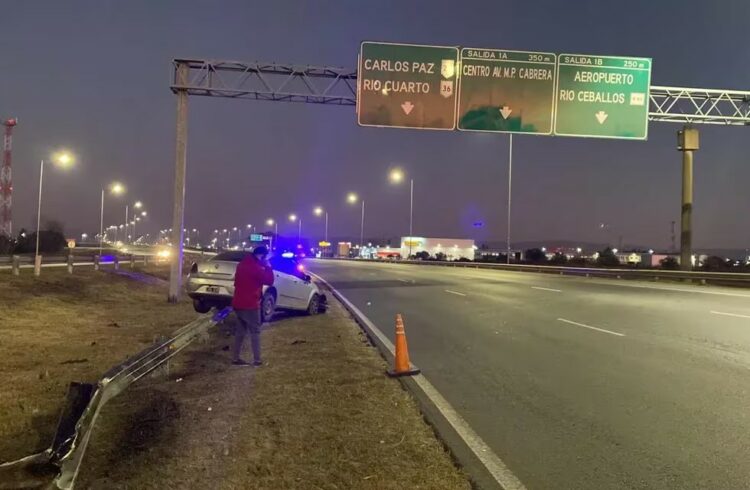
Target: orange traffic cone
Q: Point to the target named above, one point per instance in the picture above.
(401, 365)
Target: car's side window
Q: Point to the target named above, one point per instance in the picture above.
(281, 264)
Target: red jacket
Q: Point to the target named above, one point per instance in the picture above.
(249, 279)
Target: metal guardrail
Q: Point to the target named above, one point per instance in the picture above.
(644, 274)
(85, 401)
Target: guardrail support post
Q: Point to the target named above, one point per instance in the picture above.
(145, 260)
(97, 258)
(37, 265)
(15, 264)
(70, 263)
(116, 262)
(132, 261)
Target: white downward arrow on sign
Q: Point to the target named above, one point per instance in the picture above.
(505, 111)
(601, 116)
(407, 107)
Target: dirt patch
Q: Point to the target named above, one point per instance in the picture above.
(59, 328)
(320, 415)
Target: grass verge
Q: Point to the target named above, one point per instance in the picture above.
(320, 415)
(59, 328)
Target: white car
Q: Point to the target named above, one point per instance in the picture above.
(211, 284)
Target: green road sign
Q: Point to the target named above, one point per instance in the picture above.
(407, 86)
(506, 91)
(602, 96)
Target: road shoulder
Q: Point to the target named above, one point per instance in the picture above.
(322, 414)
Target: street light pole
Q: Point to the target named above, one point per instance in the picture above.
(127, 240)
(362, 227)
(411, 214)
(510, 188)
(101, 224)
(299, 231)
(37, 259)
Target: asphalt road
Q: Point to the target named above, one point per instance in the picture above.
(578, 383)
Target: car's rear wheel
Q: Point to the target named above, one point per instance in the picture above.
(201, 306)
(313, 308)
(267, 307)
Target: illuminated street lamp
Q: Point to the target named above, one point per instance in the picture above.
(352, 198)
(396, 176)
(272, 222)
(319, 211)
(293, 217)
(62, 159)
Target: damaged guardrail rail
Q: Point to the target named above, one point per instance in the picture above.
(57, 467)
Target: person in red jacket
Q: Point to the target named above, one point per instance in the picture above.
(253, 272)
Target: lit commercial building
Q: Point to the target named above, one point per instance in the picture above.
(452, 248)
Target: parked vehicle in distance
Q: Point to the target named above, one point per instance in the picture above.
(211, 285)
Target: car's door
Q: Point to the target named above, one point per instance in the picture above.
(294, 293)
(284, 283)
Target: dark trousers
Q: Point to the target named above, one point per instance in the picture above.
(249, 323)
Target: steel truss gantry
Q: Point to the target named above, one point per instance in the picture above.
(334, 85)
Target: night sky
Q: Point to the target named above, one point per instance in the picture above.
(93, 76)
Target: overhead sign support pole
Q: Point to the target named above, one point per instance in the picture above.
(178, 204)
(687, 143)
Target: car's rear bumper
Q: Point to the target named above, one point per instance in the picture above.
(207, 286)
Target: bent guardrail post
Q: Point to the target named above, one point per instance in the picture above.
(116, 380)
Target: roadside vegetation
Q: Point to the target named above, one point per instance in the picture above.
(59, 328)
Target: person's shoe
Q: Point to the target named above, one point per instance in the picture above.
(258, 363)
(240, 362)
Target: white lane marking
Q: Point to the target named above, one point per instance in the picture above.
(405, 280)
(495, 466)
(547, 289)
(592, 328)
(730, 314)
(484, 273)
(454, 292)
(679, 290)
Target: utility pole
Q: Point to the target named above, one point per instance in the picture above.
(674, 240)
(687, 143)
(180, 166)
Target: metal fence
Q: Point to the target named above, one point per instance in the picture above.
(728, 278)
(84, 402)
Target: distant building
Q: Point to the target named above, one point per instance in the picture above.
(452, 248)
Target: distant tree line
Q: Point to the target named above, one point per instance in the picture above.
(51, 241)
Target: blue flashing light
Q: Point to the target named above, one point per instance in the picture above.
(288, 255)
